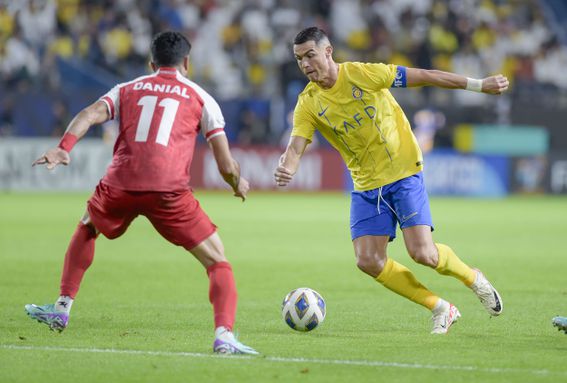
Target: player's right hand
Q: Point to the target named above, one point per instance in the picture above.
(242, 188)
(53, 157)
(282, 176)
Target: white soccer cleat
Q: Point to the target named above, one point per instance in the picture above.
(226, 343)
(487, 294)
(443, 319)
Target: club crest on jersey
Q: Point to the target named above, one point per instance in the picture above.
(357, 93)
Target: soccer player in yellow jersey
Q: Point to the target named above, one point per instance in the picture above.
(351, 106)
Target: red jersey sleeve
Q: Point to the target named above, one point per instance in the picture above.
(212, 121)
(112, 100)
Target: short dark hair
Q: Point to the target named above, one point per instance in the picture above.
(310, 34)
(169, 48)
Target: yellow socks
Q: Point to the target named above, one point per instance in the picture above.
(450, 264)
(401, 280)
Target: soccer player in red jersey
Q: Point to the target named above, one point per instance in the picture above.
(160, 116)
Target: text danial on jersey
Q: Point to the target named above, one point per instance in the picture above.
(163, 88)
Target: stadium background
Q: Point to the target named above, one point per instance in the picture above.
(58, 56)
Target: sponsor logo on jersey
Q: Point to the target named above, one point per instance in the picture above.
(357, 119)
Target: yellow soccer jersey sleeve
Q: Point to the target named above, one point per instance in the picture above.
(362, 120)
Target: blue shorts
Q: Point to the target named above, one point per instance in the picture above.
(377, 211)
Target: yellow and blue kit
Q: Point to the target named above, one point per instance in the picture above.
(361, 119)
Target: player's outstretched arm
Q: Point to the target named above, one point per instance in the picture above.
(228, 166)
(93, 114)
(497, 84)
(289, 160)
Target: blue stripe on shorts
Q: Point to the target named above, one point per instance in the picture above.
(379, 211)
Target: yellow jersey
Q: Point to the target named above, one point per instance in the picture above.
(362, 120)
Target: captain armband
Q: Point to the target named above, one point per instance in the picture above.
(400, 81)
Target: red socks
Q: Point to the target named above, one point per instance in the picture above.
(222, 294)
(80, 254)
(78, 258)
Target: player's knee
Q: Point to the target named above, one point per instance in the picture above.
(424, 255)
(370, 263)
(209, 252)
(88, 223)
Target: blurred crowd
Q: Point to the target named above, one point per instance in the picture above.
(242, 49)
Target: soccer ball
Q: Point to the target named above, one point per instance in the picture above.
(303, 309)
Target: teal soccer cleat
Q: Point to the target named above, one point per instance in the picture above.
(560, 323)
(226, 343)
(56, 320)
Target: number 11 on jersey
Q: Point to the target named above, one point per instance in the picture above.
(148, 104)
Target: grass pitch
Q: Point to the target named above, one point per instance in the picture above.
(143, 314)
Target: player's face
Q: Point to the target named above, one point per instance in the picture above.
(313, 59)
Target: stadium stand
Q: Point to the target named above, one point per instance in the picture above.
(59, 55)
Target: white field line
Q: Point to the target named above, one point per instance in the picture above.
(277, 359)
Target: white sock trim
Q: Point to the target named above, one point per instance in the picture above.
(64, 304)
(220, 330)
(440, 306)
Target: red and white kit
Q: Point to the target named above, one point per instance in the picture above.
(159, 118)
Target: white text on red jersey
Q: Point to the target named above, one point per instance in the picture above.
(163, 88)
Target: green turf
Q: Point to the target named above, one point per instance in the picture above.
(145, 295)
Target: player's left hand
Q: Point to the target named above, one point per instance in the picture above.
(497, 84)
(53, 157)
(242, 189)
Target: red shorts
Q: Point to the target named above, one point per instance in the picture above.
(177, 216)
